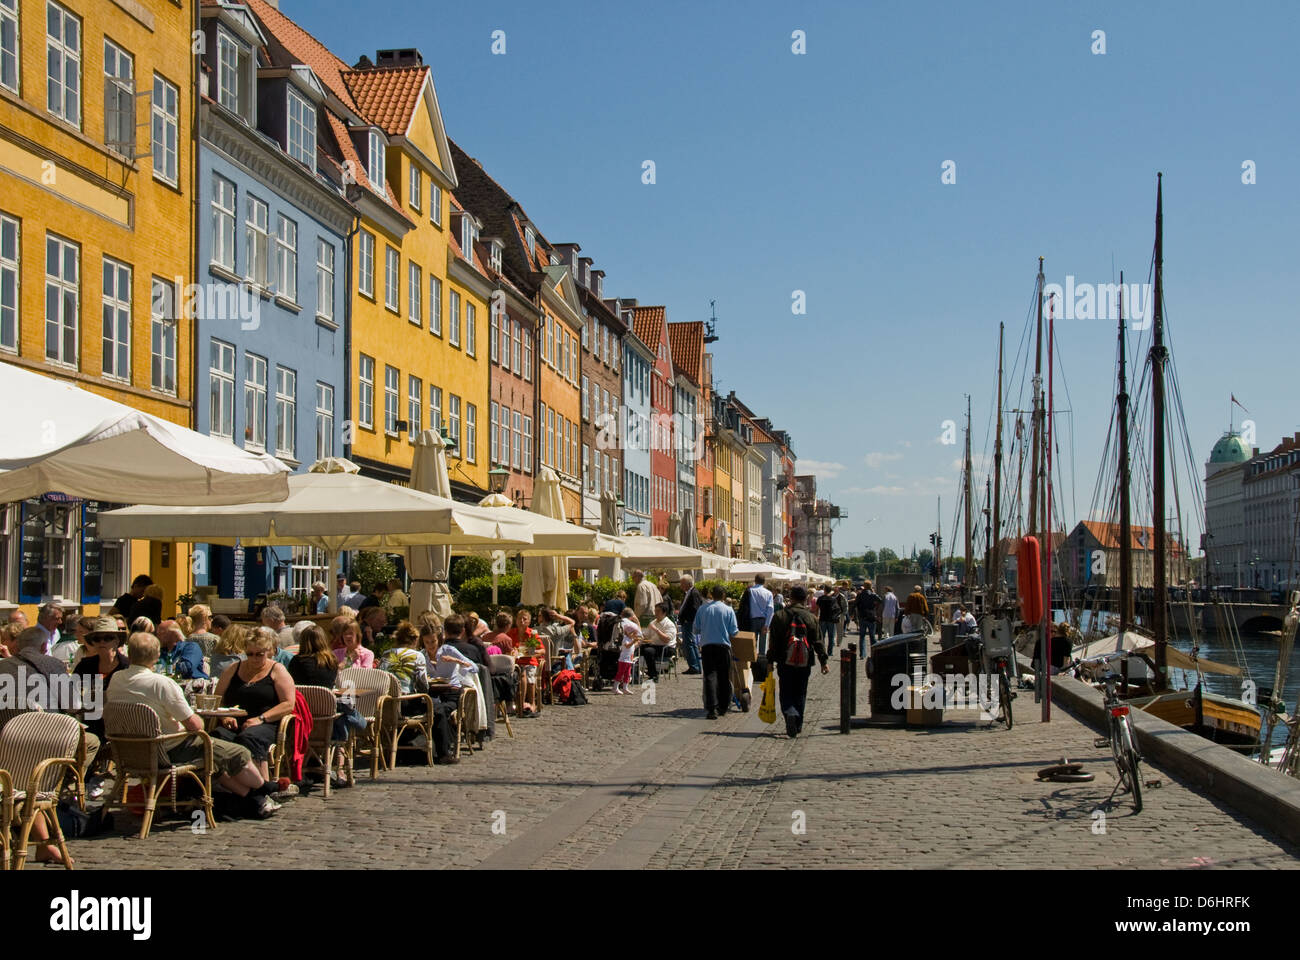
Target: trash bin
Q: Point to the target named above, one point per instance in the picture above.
(888, 660)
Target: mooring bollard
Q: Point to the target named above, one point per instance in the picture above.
(853, 672)
(846, 687)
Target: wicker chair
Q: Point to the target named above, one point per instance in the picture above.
(6, 816)
(277, 761)
(466, 707)
(500, 663)
(140, 750)
(369, 685)
(36, 750)
(320, 742)
(393, 722)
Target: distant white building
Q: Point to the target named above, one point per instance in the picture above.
(1225, 522)
(1271, 489)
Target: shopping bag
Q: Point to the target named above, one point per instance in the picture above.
(767, 710)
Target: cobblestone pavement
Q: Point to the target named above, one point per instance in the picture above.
(622, 783)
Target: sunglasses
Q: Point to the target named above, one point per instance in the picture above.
(256, 653)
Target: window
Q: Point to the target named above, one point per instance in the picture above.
(286, 261)
(392, 383)
(414, 290)
(546, 341)
(471, 329)
(494, 351)
(494, 257)
(530, 239)
(416, 177)
(468, 234)
(453, 420)
(562, 352)
(375, 163)
(235, 76)
(435, 203)
(286, 413)
(302, 130)
(528, 443)
(119, 99)
(307, 566)
(223, 223)
(9, 47)
(324, 279)
(586, 410)
(435, 407)
(366, 392)
(453, 320)
(587, 477)
(528, 357)
(610, 469)
(257, 258)
(392, 268)
(221, 371)
(366, 265)
(550, 437)
(518, 336)
(117, 320)
(9, 286)
(62, 289)
(435, 305)
(324, 420)
(494, 448)
(63, 64)
(254, 401)
(586, 333)
(164, 127)
(471, 433)
(414, 397)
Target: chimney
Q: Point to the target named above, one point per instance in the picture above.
(410, 57)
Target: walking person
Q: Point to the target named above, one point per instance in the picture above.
(692, 601)
(796, 638)
(645, 597)
(917, 611)
(715, 625)
(828, 617)
(845, 609)
(757, 607)
(868, 604)
(888, 613)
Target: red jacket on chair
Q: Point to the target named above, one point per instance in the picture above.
(301, 731)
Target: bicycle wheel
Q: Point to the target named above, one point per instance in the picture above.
(1118, 750)
(1004, 694)
(1134, 775)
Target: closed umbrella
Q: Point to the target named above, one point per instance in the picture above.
(429, 564)
(546, 578)
(675, 528)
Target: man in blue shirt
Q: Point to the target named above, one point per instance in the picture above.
(715, 625)
(184, 657)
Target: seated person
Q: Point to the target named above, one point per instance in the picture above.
(263, 688)
(498, 641)
(526, 647)
(180, 657)
(660, 634)
(442, 663)
(346, 634)
(228, 649)
(232, 761)
(558, 629)
(474, 627)
(404, 661)
(314, 665)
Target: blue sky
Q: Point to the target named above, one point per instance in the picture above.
(821, 173)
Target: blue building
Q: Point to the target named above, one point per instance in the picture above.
(270, 298)
(638, 366)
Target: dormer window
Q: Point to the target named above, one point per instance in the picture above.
(530, 241)
(375, 162)
(235, 77)
(302, 130)
(468, 234)
(495, 255)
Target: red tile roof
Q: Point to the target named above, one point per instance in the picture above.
(647, 323)
(387, 95)
(686, 341)
(1142, 538)
(306, 48)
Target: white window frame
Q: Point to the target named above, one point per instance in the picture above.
(324, 279)
(324, 420)
(257, 242)
(366, 391)
(235, 79)
(119, 93)
(221, 374)
(286, 258)
(586, 410)
(165, 129)
(528, 358)
(528, 445)
(375, 162)
(453, 318)
(414, 293)
(286, 412)
(10, 281)
(366, 264)
(471, 328)
(11, 51)
(435, 204)
(414, 407)
(67, 291)
(116, 319)
(453, 421)
(255, 372)
(435, 407)
(494, 329)
(494, 410)
(435, 305)
(68, 108)
(392, 399)
(471, 432)
(414, 179)
(300, 128)
(392, 279)
(515, 441)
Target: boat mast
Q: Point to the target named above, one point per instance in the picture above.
(1159, 356)
(1037, 436)
(995, 562)
(968, 581)
(1125, 508)
(988, 535)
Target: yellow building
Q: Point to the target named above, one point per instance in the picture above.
(97, 246)
(418, 314)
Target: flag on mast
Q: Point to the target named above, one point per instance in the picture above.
(1237, 402)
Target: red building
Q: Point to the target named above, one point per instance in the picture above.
(651, 325)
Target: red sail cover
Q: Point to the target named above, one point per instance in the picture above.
(1030, 578)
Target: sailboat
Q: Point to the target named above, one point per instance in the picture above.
(1218, 718)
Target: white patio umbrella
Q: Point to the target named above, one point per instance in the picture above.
(546, 578)
(332, 508)
(656, 552)
(429, 565)
(57, 437)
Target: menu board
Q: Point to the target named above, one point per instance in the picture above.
(92, 553)
(31, 573)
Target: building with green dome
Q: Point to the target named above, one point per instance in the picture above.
(1226, 562)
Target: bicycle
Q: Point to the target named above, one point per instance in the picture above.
(1119, 733)
(999, 656)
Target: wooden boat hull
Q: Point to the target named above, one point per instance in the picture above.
(1223, 720)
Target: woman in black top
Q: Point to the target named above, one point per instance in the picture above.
(150, 605)
(107, 663)
(261, 687)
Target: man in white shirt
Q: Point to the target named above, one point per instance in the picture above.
(646, 598)
(888, 613)
(761, 608)
(138, 683)
(48, 619)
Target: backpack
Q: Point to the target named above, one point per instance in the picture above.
(743, 619)
(567, 689)
(605, 632)
(798, 649)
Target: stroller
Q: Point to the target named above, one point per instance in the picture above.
(604, 663)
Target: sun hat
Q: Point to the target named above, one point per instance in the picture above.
(102, 626)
